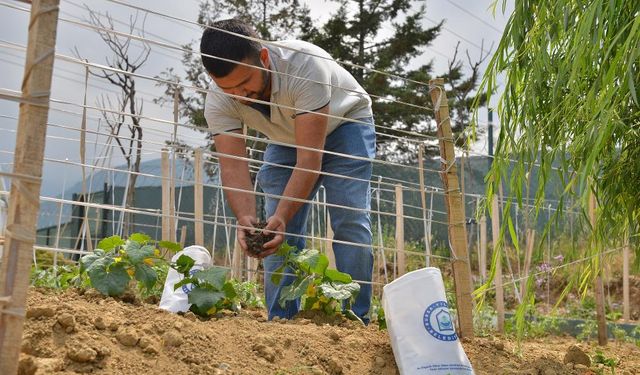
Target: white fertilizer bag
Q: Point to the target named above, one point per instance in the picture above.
(177, 300)
(423, 337)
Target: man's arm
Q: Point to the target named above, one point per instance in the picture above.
(235, 174)
(311, 132)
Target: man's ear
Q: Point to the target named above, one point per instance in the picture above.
(264, 57)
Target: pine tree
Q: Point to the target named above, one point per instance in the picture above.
(354, 35)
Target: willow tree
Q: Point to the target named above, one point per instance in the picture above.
(569, 107)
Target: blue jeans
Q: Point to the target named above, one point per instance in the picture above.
(348, 225)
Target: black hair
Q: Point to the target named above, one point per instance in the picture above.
(216, 42)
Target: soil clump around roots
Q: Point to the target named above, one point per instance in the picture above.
(74, 332)
(256, 240)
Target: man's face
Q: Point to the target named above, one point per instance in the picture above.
(247, 81)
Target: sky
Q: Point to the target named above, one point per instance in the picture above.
(469, 22)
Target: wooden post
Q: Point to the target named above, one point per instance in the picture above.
(423, 199)
(482, 255)
(166, 196)
(625, 281)
(198, 198)
(598, 286)
(24, 199)
(252, 268)
(455, 208)
(236, 261)
(329, 239)
(495, 228)
(401, 263)
(531, 237)
(183, 235)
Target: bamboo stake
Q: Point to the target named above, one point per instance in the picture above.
(183, 235)
(531, 237)
(423, 199)
(598, 286)
(198, 197)
(455, 209)
(625, 281)
(236, 261)
(495, 228)
(166, 200)
(401, 264)
(482, 256)
(24, 199)
(329, 240)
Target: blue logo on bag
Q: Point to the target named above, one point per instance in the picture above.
(437, 322)
(187, 288)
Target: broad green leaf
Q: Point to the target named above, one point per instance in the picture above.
(313, 261)
(337, 276)
(340, 291)
(204, 299)
(146, 275)
(184, 264)
(140, 238)
(137, 253)
(185, 281)
(110, 243)
(172, 246)
(285, 249)
(110, 280)
(214, 276)
(294, 291)
(309, 302)
(276, 276)
(87, 260)
(229, 290)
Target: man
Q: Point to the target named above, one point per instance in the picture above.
(285, 90)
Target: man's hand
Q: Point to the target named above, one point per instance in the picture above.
(274, 224)
(245, 221)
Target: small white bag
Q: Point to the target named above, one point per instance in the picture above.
(423, 337)
(178, 300)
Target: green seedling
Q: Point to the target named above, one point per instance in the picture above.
(208, 289)
(116, 262)
(599, 357)
(319, 287)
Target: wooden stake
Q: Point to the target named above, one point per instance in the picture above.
(167, 229)
(598, 285)
(423, 199)
(183, 236)
(401, 263)
(24, 199)
(198, 198)
(252, 269)
(482, 256)
(236, 261)
(531, 237)
(625, 281)
(495, 228)
(329, 242)
(455, 209)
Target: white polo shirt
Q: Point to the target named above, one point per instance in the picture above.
(323, 82)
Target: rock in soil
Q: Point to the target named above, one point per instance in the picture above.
(576, 356)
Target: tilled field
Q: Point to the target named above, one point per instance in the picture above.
(72, 333)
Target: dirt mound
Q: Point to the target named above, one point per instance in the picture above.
(71, 333)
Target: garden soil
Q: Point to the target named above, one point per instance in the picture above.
(84, 332)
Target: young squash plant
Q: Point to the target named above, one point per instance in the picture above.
(209, 291)
(319, 287)
(116, 262)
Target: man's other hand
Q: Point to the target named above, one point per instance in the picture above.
(274, 225)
